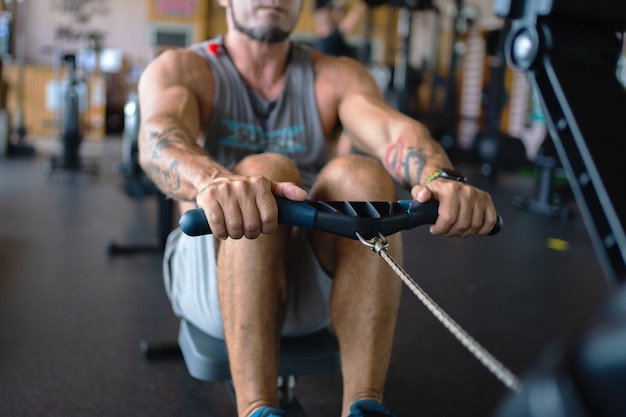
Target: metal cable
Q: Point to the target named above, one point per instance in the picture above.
(487, 359)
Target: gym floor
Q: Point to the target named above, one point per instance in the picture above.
(72, 318)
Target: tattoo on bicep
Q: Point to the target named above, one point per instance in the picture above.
(406, 162)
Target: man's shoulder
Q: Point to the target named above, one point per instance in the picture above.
(179, 58)
(177, 67)
(340, 64)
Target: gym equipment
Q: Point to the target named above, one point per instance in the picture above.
(14, 26)
(585, 119)
(207, 359)
(446, 135)
(548, 201)
(496, 150)
(71, 130)
(349, 219)
(569, 50)
(164, 227)
(137, 184)
(445, 131)
(404, 86)
(405, 80)
(368, 222)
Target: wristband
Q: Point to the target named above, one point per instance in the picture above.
(448, 174)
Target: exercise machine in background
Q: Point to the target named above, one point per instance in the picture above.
(445, 131)
(569, 51)
(436, 102)
(13, 45)
(405, 79)
(495, 149)
(71, 129)
(137, 185)
(552, 195)
(136, 182)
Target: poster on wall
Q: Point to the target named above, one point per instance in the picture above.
(82, 10)
(185, 9)
(80, 31)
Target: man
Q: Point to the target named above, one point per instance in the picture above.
(333, 24)
(233, 122)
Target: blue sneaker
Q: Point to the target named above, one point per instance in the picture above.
(369, 408)
(269, 412)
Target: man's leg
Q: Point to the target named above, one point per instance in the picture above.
(366, 292)
(252, 291)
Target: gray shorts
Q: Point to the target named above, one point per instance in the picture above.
(190, 274)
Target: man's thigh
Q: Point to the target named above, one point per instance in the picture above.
(191, 282)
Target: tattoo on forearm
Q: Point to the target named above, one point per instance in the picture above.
(163, 140)
(171, 178)
(407, 162)
(167, 179)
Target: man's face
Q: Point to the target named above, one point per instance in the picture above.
(268, 21)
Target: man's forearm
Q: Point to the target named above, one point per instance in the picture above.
(405, 163)
(409, 164)
(176, 164)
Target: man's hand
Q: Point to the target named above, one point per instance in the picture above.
(239, 206)
(464, 211)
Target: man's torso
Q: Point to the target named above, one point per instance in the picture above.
(243, 123)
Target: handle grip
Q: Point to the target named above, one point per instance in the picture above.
(342, 218)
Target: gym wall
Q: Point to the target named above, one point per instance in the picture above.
(53, 26)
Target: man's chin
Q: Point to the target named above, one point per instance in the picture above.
(266, 35)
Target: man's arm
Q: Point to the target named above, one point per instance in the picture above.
(402, 144)
(172, 112)
(408, 152)
(175, 99)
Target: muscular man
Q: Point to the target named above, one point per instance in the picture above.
(231, 123)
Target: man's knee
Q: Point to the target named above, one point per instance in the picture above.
(354, 177)
(270, 165)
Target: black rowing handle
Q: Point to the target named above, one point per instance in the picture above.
(343, 218)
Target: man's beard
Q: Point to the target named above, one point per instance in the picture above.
(261, 34)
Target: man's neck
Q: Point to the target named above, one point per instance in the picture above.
(261, 64)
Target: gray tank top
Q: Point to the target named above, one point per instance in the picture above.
(243, 123)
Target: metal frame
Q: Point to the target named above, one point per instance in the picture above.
(569, 50)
